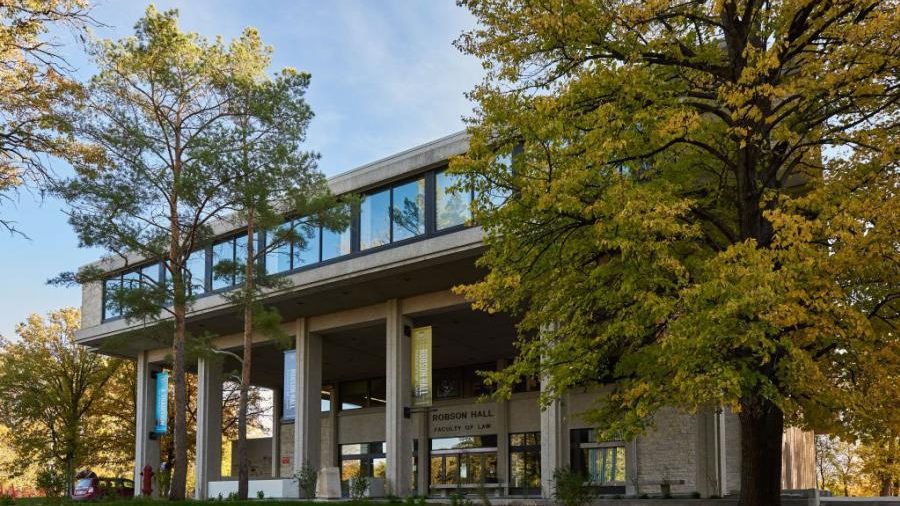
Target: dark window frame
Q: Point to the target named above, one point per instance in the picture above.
(430, 231)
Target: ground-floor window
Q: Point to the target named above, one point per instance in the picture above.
(362, 459)
(463, 460)
(525, 463)
(601, 462)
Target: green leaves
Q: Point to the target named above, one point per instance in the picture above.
(701, 202)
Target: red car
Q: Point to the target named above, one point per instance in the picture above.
(90, 488)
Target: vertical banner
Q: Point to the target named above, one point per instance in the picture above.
(289, 400)
(421, 366)
(161, 415)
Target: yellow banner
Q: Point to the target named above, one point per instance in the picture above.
(421, 366)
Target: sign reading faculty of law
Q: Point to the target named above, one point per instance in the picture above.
(421, 366)
(466, 420)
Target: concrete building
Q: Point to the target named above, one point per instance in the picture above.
(343, 390)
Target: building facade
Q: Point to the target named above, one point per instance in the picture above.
(343, 386)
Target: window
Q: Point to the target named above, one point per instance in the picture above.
(111, 308)
(375, 220)
(278, 258)
(392, 214)
(463, 460)
(601, 462)
(498, 195)
(525, 463)
(132, 279)
(452, 208)
(362, 459)
(335, 243)
(455, 382)
(286, 254)
(307, 253)
(196, 272)
(366, 393)
(408, 210)
(230, 250)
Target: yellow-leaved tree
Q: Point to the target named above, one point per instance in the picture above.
(694, 203)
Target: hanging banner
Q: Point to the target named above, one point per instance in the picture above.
(289, 400)
(421, 366)
(161, 416)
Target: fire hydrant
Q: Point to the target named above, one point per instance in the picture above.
(147, 480)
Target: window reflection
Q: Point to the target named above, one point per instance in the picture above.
(408, 211)
(335, 243)
(375, 220)
(308, 252)
(453, 208)
(196, 272)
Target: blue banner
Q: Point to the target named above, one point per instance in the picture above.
(162, 403)
(289, 403)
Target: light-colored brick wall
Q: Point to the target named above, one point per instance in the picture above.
(669, 451)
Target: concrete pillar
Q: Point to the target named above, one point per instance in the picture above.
(632, 485)
(711, 453)
(307, 425)
(553, 445)
(332, 459)
(398, 430)
(146, 449)
(276, 432)
(208, 464)
(423, 479)
(503, 438)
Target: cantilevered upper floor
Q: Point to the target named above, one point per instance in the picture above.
(408, 236)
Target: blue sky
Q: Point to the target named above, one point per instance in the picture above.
(385, 77)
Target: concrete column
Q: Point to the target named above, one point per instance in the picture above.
(307, 425)
(710, 451)
(276, 432)
(208, 464)
(422, 459)
(553, 436)
(632, 485)
(332, 459)
(503, 438)
(398, 430)
(146, 449)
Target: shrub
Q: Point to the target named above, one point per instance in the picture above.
(50, 482)
(570, 489)
(359, 486)
(415, 501)
(7, 500)
(306, 479)
(260, 494)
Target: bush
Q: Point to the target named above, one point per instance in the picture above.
(50, 482)
(260, 494)
(415, 501)
(459, 500)
(306, 479)
(570, 489)
(7, 500)
(359, 486)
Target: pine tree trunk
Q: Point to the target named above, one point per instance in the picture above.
(178, 486)
(243, 458)
(762, 431)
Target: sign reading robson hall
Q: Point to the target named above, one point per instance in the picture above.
(465, 420)
(421, 366)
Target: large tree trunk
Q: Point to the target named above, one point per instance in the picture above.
(762, 431)
(178, 486)
(243, 458)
